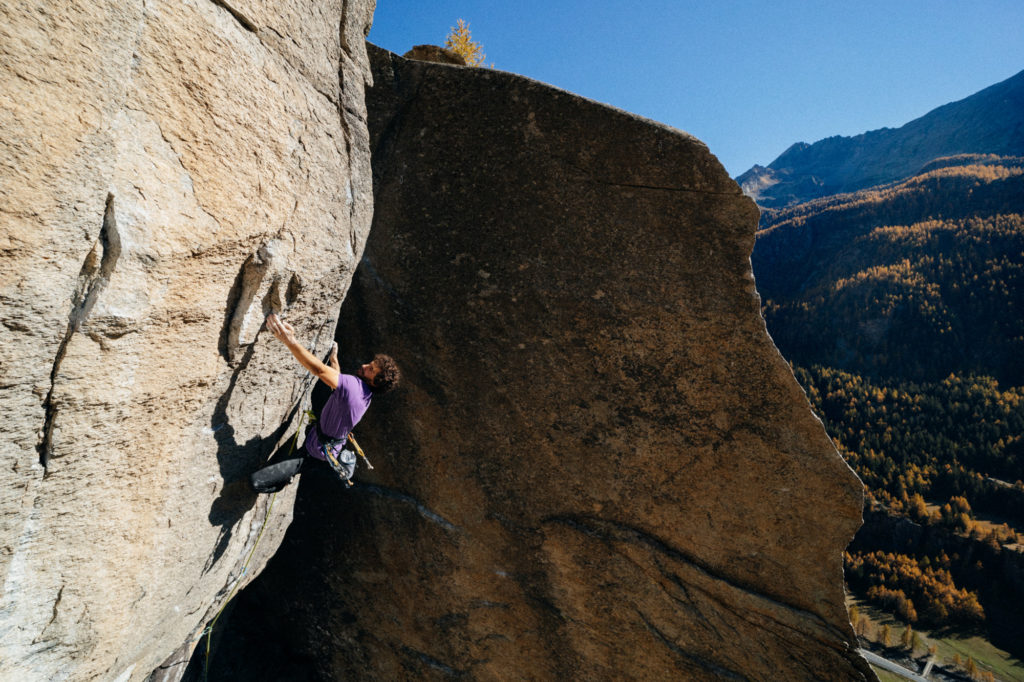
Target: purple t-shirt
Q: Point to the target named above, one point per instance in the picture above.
(343, 411)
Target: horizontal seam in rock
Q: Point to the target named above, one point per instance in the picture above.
(665, 189)
(690, 190)
(278, 34)
(359, 116)
(678, 581)
(423, 510)
(434, 663)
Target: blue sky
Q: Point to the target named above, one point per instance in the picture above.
(748, 78)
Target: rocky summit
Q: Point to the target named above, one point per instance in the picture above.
(988, 122)
(599, 466)
(171, 171)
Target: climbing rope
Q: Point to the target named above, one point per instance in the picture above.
(208, 631)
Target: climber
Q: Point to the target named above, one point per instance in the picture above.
(350, 396)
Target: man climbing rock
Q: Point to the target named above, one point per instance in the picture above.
(350, 396)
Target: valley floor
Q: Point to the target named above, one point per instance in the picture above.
(949, 647)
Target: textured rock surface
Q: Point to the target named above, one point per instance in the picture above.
(435, 53)
(600, 467)
(170, 170)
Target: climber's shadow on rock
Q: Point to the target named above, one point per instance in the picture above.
(236, 461)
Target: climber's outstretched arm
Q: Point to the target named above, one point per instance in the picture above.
(285, 333)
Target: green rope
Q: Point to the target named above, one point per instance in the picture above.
(208, 631)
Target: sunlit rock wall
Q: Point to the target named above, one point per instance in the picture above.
(170, 171)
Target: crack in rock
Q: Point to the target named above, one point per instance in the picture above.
(614, 531)
(238, 16)
(687, 655)
(434, 663)
(267, 285)
(93, 277)
(424, 511)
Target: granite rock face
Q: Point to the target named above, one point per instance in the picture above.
(599, 466)
(171, 171)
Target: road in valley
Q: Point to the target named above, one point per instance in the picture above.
(885, 663)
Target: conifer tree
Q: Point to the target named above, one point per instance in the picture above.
(907, 640)
(863, 627)
(460, 41)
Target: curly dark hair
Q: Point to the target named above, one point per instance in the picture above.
(389, 375)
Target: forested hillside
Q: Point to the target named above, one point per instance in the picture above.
(913, 280)
(901, 308)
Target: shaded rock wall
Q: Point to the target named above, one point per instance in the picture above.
(170, 171)
(599, 466)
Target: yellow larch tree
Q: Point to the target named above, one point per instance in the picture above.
(460, 41)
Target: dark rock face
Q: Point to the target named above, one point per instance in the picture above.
(988, 122)
(599, 466)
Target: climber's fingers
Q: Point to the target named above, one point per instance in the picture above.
(273, 324)
(332, 357)
(279, 328)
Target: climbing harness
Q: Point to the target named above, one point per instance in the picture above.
(342, 461)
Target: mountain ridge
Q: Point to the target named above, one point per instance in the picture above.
(991, 121)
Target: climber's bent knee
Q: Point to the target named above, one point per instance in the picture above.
(274, 477)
